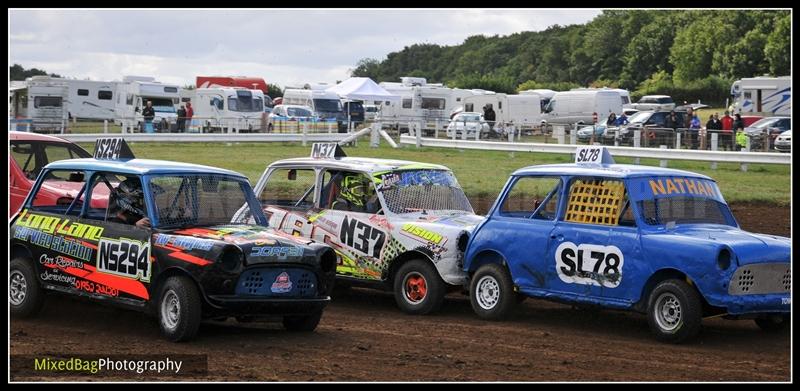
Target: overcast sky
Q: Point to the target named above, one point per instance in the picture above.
(286, 47)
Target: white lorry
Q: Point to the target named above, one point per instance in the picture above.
(582, 107)
(46, 99)
(229, 109)
(763, 94)
(132, 96)
(523, 111)
(326, 105)
(430, 104)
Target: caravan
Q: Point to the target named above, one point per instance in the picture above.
(326, 105)
(46, 98)
(544, 96)
(88, 99)
(133, 94)
(523, 111)
(764, 94)
(431, 103)
(229, 109)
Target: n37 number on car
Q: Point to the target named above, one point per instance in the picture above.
(589, 264)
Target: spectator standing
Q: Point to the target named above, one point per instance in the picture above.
(189, 113)
(621, 120)
(727, 122)
(489, 115)
(181, 119)
(148, 113)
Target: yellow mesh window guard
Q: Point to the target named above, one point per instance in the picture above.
(595, 201)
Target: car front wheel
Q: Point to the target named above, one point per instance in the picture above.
(179, 309)
(674, 311)
(492, 293)
(25, 296)
(418, 289)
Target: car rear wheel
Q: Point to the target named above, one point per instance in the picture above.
(302, 323)
(773, 323)
(418, 289)
(491, 292)
(179, 309)
(25, 296)
(674, 311)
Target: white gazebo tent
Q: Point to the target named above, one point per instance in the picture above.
(361, 88)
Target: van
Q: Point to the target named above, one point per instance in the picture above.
(326, 105)
(570, 107)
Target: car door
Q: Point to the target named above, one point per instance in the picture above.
(594, 250)
(522, 225)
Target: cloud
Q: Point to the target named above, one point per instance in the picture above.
(287, 47)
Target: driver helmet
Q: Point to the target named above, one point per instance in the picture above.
(355, 188)
(129, 196)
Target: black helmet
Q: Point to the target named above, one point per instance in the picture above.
(129, 196)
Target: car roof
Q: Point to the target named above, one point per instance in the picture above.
(25, 136)
(605, 170)
(139, 167)
(356, 164)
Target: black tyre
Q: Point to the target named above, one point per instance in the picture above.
(25, 295)
(492, 293)
(179, 309)
(418, 289)
(674, 311)
(302, 323)
(773, 323)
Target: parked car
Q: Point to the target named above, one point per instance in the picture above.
(289, 118)
(585, 133)
(773, 126)
(470, 122)
(654, 102)
(647, 119)
(653, 240)
(370, 112)
(169, 240)
(784, 142)
(28, 154)
(396, 225)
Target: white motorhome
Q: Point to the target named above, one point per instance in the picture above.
(430, 103)
(89, 99)
(326, 105)
(46, 100)
(524, 111)
(17, 99)
(229, 109)
(582, 106)
(132, 96)
(762, 95)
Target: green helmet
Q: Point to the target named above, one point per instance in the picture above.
(355, 189)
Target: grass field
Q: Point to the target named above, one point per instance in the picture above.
(481, 173)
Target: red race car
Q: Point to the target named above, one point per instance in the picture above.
(29, 153)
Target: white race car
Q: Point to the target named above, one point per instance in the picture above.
(394, 224)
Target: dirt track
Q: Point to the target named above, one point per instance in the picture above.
(364, 337)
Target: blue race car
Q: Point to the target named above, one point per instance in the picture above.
(653, 240)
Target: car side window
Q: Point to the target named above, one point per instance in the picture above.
(24, 155)
(61, 192)
(596, 201)
(290, 187)
(533, 197)
(349, 191)
(103, 205)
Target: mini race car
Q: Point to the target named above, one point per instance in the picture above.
(654, 240)
(165, 241)
(395, 224)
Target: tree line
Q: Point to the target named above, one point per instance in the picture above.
(689, 54)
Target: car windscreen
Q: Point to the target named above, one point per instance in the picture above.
(327, 105)
(162, 105)
(468, 118)
(245, 102)
(639, 117)
(197, 199)
(297, 112)
(664, 100)
(407, 191)
(679, 200)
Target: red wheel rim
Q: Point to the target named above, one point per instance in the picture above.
(416, 287)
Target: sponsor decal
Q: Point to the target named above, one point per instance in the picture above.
(362, 237)
(387, 181)
(186, 243)
(683, 186)
(93, 287)
(124, 257)
(66, 246)
(280, 252)
(589, 264)
(422, 233)
(56, 225)
(282, 284)
(49, 276)
(786, 300)
(60, 262)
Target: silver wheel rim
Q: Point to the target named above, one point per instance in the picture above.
(669, 314)
(487, 292)
(18, 287)
(170, 309)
